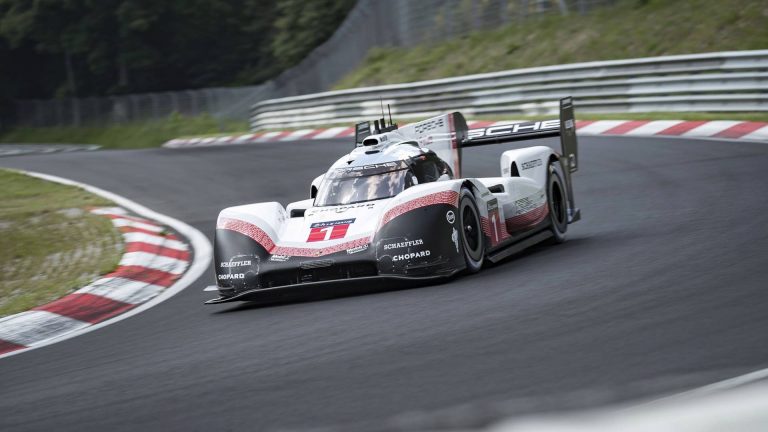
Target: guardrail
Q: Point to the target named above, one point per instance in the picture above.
(710, 82)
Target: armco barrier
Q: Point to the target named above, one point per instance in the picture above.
(711, 82)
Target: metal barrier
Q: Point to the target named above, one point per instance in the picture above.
(710, 82)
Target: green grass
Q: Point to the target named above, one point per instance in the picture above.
(50, 245)
(126, 135)
(632, 28)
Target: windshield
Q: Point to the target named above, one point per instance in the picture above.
(350, 190)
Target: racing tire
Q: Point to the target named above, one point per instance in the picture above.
(472, 238)
(557, 201)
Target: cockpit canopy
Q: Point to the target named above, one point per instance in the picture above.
(351, 185)
(360, 183)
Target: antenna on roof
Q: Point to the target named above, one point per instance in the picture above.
(389, 110)
(381, 101)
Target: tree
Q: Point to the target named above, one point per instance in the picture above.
(103, 47)
(302, 25)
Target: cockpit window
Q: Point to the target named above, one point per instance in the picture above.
(359, 186)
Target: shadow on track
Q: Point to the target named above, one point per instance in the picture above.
(299, 294)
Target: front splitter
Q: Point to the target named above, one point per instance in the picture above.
(358, 285)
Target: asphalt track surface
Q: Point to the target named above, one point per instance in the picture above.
(661, 287)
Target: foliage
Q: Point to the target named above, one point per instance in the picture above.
(81, 48)
(630, 29)
(301, 24)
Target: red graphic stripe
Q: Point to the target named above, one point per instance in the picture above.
(86, 307)
(739, 130)
(310, 252)
(157, 250)
(516, 223)
(526, 220)
(262, 238)
(247, 229)
(146, 275)
(447, 197)
(6, 347)
(681, 128)
(625, 127)
(129, 229)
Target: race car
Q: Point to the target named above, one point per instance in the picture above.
(397, 208)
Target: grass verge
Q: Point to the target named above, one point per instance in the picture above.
(127, 135)
(50, 245)
(630, 29)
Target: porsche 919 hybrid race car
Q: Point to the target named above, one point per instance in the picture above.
(397, 208)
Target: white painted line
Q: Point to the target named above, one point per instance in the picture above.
(268, 136)
(758, 135)
(653, 127)
(154, 240)
(330, 133)
(119, 211)
(297, 134)
(716, 387)
(600, 126)
(121, 222)
(710, 128)
(155, 262)
(31, 327)
(200, 245)
(122, 290)
(242, 138)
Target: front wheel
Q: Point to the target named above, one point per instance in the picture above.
(471, 232)
(557, 200)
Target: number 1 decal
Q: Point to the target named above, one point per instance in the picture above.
(323, 231)
(495, 223)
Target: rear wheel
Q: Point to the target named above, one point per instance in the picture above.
(557, 200)
(471, 232)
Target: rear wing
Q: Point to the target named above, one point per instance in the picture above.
(564, 127)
